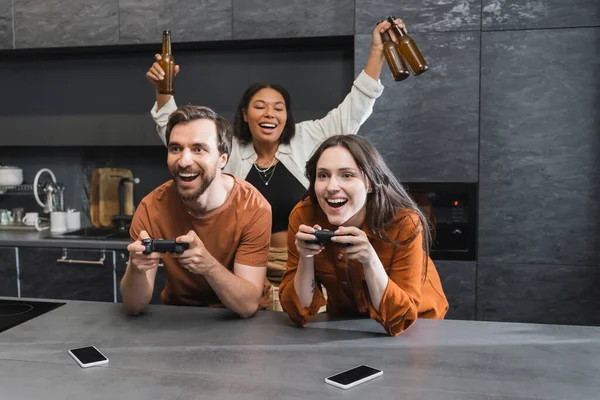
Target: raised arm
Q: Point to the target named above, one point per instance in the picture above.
(357, 106)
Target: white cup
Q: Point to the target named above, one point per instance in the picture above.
(73, 220)
(31, 218)
(58, 222)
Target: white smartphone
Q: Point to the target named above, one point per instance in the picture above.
(88, 356)
(354, 376)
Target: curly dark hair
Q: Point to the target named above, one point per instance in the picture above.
(241, 130)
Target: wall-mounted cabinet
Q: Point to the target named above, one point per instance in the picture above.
(56, 23)
(188, 21)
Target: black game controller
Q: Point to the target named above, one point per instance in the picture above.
(164, 246)
(324, 237)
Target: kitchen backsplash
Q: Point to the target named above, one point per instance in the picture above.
(73, 167)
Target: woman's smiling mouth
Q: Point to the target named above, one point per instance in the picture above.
(336, 202)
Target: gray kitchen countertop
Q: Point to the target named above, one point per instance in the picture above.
(44, 239)
(189, 352)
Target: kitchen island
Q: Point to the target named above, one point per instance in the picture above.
(188, 352)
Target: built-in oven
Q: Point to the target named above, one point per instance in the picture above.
(452, 212)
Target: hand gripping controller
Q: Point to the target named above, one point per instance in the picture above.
(164, 246)
(324, 237)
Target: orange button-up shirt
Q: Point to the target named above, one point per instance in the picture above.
(410, 293)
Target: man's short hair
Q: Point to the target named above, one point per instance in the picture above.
(190, 113)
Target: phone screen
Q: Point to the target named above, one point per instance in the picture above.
(88, 355)
(353, 375)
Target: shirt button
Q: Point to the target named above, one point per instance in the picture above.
(340, 256)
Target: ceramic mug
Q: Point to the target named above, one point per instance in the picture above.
(73, 220)
(32, 219)
(58, 222)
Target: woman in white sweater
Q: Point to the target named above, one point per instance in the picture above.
(270, 150)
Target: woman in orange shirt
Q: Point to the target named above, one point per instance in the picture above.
(378, 264)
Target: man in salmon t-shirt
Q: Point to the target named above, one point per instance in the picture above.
(225, 221)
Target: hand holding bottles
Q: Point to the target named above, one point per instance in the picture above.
(163, 71)
(408, 48)
(156, 74)
(400, 49)
(392, 55)
(378, 41)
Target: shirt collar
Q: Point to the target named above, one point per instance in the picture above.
(284, 149)
(247, 151)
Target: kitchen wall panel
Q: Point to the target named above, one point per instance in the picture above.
(6, 24)
(188, 20)
(540, 96)
(62, 23)
(260, 19)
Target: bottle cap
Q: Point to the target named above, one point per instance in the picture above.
(391, 19)
(166, 32)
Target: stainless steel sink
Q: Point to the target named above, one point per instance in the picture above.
(93, 233)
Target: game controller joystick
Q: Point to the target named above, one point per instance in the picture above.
(323, 237)
(164, 246)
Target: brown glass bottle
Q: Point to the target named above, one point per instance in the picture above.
(408, 49)
(167, 63)
(397, 66)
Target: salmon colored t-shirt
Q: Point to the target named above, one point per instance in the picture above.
(239, 231)
(411, 291)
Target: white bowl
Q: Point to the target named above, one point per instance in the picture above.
(10, 176)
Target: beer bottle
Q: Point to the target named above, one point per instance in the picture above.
(408, 49)
(167, 63)
(394, 60)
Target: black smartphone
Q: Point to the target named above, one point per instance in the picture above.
(354, 376)
(88, 356)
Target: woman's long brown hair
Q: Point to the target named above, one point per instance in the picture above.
(388, 196)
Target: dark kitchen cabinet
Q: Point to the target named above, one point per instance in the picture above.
(52, 23)
(260, 19)
(71, 274)
(188, 21)
(91, 100)
(6, 26)
(8, 272)
(121, 265)
(459, 282)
